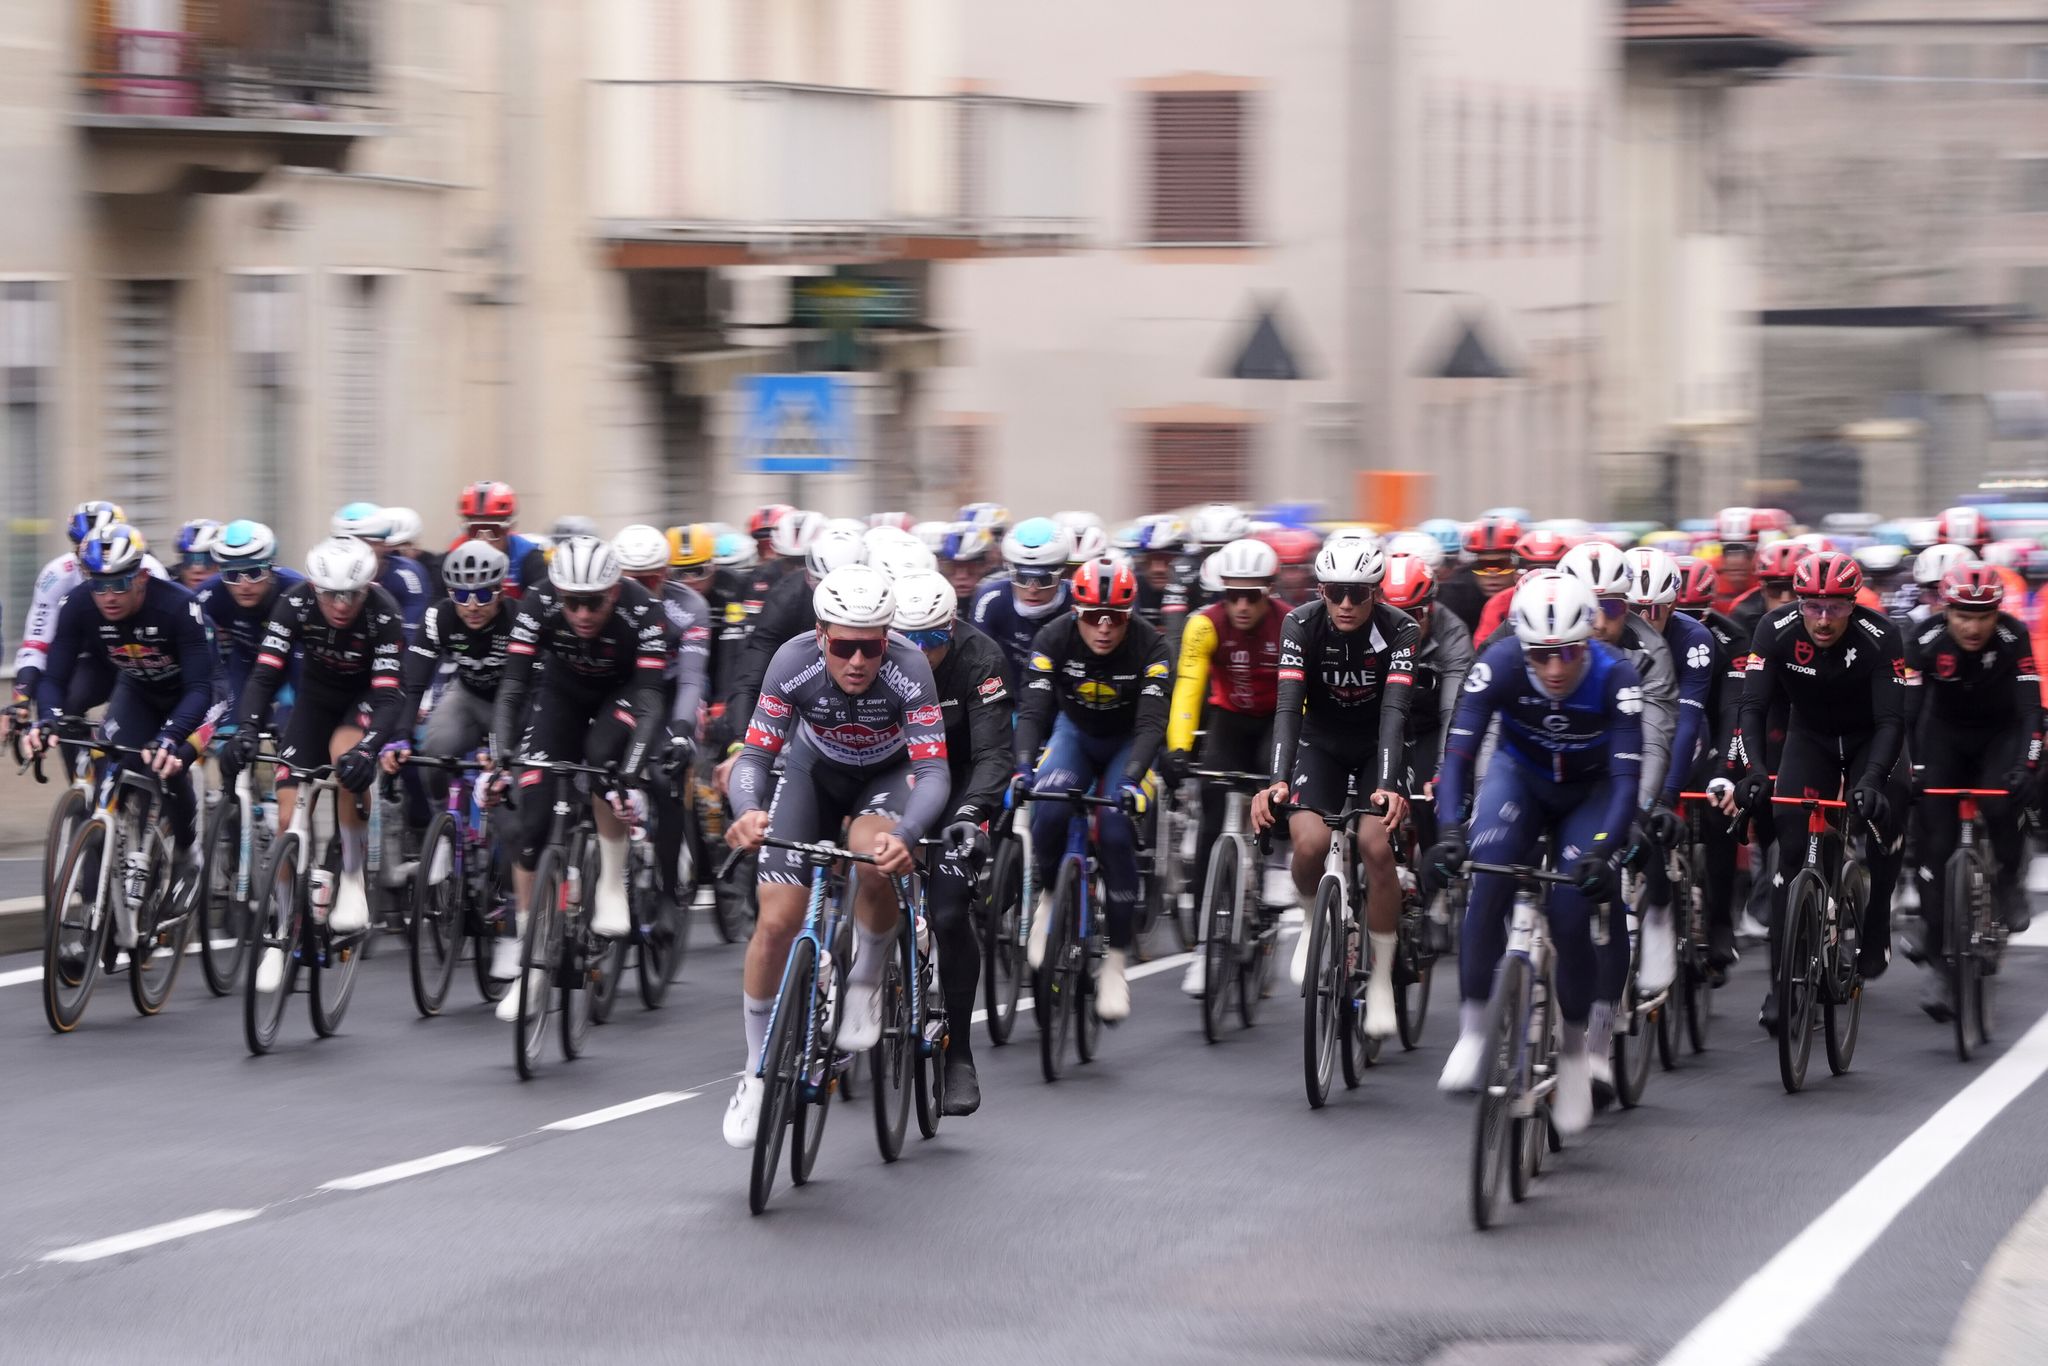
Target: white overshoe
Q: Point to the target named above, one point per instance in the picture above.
(1660, 952)
(351, 904)
(1571, 1104)
(1297, 965)
(743, 1112)
(1034, 944)
(861, 1027)
(1112, 991)
(1462, 1068)
(610, 919)
(504, 960)
(508, 1005)
(270, 970)
(1381, 1020)
(1193, 979)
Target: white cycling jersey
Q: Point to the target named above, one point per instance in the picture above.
(58, 578)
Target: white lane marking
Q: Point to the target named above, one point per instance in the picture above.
(20, 975)
(593, 1118)
(35, 974)
(1760, 1317)
(22, 903)
(399, 1171)
(150, 1237)
(1157, 965)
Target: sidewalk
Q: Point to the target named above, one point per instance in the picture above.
(2005, 1320)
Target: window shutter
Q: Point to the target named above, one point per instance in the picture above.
(1196, 462)
(962, 451)
(140, 433)
(1198, 166)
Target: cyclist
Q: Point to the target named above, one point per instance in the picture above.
(1602, 568)
(402, 539)
(974, 699)
(854, 713)
(1210, 528)
(1012, 611)
(1570, 709)
(1969, 528)
(1466, 591)
(91, 681)
(345, 630)
(643, 553)
(1978, 725)
(1739, 529)
(238, 599)
(964, 559)
(152, 636)
(1772, 571)
(489, 512)
(1443, 658)
(1159, 543)
(1542, 548)
(1229, 672)
(1340, 723)
(195, 558)
(1841, 667)
(1696, 591)
(599, 645)
(402, 578)
(1297, 547)
(789, 613)
(1095, 699)
(471, 629)
(1913, 603)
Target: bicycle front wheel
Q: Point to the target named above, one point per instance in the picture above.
(1003, 963)
(331, 967)
(223, 912)
(1414, 969)
(781, 1073)
(894, 1054)
(1219, 937)
(1959, 949)
(435, 933)
(69, 814)
(664, 922)
(537, 964)
(159, 954)
(273, 929)
(1059, 984)
(1501, 1088)
(1842, 998)
(76, 931)
(1798, 976)
(1320, 1015)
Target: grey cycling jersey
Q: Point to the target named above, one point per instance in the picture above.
(1646, 649)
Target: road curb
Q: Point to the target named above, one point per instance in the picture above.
(21, 926)
(2005, 1320)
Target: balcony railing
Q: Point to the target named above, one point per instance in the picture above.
(724, 159)
(269, 59)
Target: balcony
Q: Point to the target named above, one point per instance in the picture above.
(751, 171)
(261, 83)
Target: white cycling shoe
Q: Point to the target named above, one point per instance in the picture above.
(743, 1112)
(1571, 1104)
(270, 970)
(508, 1004)
(860, 1028)
(1112, 989)
(1462, 1068)
(1381, 1019)
(1660, 952)
(351, 910)
(611, 919)
(1297, 966)
(1195, 979)
(504, 960)
(1034, 944)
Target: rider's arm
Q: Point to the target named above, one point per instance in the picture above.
(522, 651)
(273, 657)
(39, 628)
(1190, 683)
(782, 618)
(693, 660)
(1477, 701)
(753, 772)
(1625, 710)
(924, 734)
(196, 666)
(59, 653)
(2026, 693)
(1398, 694)
(988, 730)
(1453, 662)
(1889, 685)
(1914, 648)
(1760, 690)
(1695, 683)
(1290, 694)
(387, 697)
(1659, 682)
(423, 658)
(1035, 711)
(1155, 678)
(644, 690)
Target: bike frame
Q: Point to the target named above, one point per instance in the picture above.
(1528, 940)
(824, 913)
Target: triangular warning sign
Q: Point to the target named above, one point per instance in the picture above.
(1265, 354)
(1471, 358)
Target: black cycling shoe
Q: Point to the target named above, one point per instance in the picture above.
(2015, 909)
(963, 1089)
(1768, 1016)
(1872, 958)
(1937, 998)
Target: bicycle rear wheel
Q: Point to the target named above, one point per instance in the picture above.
(1959, 951)
(894, 1055)
(1631, 1050)
(1842, 1001)
(331, 967)
(222, 914)
(1502, 1085)
(1219, 935)
(434, 936)
(1002, 952)
(1798, 976)
(1414, 968)
(76, 929)
(781, 1072)
(537, 964)
(159, 954)
(821, 1074)
(1058, 987)
(1320, 990)
(928, 1051)
(608, 968)
(274, 926)
(588, 962)
(664, 922)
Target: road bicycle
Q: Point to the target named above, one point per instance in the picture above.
(1238, 931)
(460, 891)
(1333, 986)
(294, 895)
(1010, 900)
(1972, 934)
(1817, 945)
(1064, 992)
(1688, 1017)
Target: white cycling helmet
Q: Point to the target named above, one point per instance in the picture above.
(1245, 559)
(573, 524)
(878, 536)
(932, 535)
(1037, 543)
(1218, 524)
(900, 521)
(793, 532)
(853, 524)
(854, 595)
(360, 521)
(1420, 544)
(1654, 577)
(402, 526)
(641, 549)
(901, 559)
(1159, 533)
(243, 542)
(1090, 543)
(832, 549)
(924, 602)
(341, 564)
(1351, 559)
(1209, 576)
(1599, 566)
(1074, 523)
(474, 564)
(1553, 608)
(586, 564)
(1936, 561)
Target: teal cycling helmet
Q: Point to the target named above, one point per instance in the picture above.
(243, 544)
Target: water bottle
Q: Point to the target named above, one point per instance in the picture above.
(924, 939)
(322, 890)
(572, 888)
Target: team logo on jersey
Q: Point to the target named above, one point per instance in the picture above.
(1042, 663)
(1699, 656)
(1629, 701)
(927, 715)
(1155, 671)
(1480, 675)
(1096, 694)
(1556, 722)
(1802, 651)
(774, 706)
(991, 689)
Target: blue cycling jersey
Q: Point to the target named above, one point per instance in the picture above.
(406, 582)
(998, 616)
(240, 629)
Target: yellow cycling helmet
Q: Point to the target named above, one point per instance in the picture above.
(690, 545)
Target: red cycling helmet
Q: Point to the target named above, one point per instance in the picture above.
(1408, 583)
(1293, 545)
(1963, 526)
(1776, 562)
(1105, 583)
(1492, 536)
(1541, 549)
(1697, 583)
(488, 501)
(1827, 574)
(765, 517)
(1978, 586)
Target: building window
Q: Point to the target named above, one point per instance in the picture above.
(28, 372)
(2037, 69)
(140, 428)
(1561, 176)
(1198, 166)
(960, 472)
(2030, 290)
(264, 333)
(361, 398)
(1196, 462)
(1461, 163)
(2030, 185)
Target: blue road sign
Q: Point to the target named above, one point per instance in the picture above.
(797, 424)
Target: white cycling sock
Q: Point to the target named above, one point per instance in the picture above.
(755, 1012)
(870, 952)
(1471, 1017)
(355, 840)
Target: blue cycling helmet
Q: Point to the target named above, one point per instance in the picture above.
(243, 544)
(966, 543)
(112, 550)
(1448, 534)
(89, 517)
(363, 521)
(195, 540)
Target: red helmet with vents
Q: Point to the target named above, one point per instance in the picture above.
(1105, 583)
(1978, 586)
(1697, 583)
(1492, 536)
(1541, 549)
(1828, 574)
(488, 501)
(1776, 562)
(1408, 583)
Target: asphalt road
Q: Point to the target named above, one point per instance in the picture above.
(1172, 1202)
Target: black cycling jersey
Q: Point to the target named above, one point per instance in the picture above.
(1996, 686)
(785, 615)
(1344, 690)
(162, 649)
(1459, 592)
(624, 658)
(355, 662)
(974, 697)
(1121, 693)
(479, 655)
(1853, 691)
(1441, 663)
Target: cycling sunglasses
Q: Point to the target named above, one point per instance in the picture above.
(1103, 616)
(693, 571)
(582, 602)
(472, 597)
(488, 531)
(1614, 609)
(1034, 578)
(1545, 654)
(930, 640)
(847, 649)
(341, 597)
(107, 584)
(245, 573)
(1360, 593)
(1827, 609)
(1244, 595)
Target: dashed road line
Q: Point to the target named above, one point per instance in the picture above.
(151, 1236)
(419, 1166)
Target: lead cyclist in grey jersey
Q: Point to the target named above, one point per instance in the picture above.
(855, 714)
